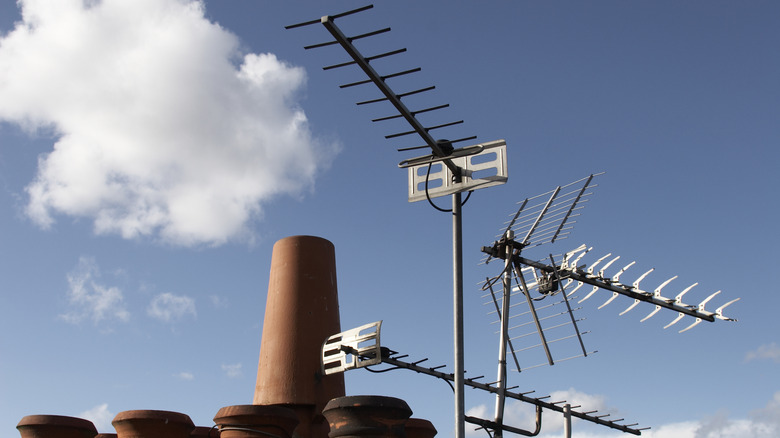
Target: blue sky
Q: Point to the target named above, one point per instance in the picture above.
(151, 153)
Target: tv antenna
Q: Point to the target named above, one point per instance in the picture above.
(450, 171)
(548, 218)
(541, 285)
(462, 169)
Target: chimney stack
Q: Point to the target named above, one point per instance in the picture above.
(302, 310)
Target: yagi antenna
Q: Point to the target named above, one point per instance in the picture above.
(545, 219)
(445, 171)
(549, 217)
(361, 348)
(464, 169)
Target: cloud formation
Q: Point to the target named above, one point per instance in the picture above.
(91, 300)
(218, 301)
(233, 371)
(762, 423)
(100, 416)
(185, 375)
(168, 307)
(523, 415)
(769, 351)
(164, 129)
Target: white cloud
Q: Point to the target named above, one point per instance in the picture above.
(168, 307)
(232, 370)
(523, 415)
(185, 375)
(164, 129)
(218, 301)
(769, 351)
(90, 300)
(766, 421)
(100, 416)
(762, 423)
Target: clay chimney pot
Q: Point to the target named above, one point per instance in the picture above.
(420, 428)
(367, 416)
(152, 424)
(253, 421)
(55, 426)
(302, 310)
(204, 432)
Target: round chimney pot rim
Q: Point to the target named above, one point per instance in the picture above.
(279, 410)
(56, 420)
(366, 400)
(151, 414)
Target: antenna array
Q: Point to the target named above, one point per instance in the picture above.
(547, 218)
(461, 171)
(544, 288)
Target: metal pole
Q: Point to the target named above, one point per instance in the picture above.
(530, 302)
(457, 277)
(504, 335)
(567, 420)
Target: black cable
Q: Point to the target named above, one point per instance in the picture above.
(399, 368)
(382, 371)
(428, 197)
(467, 198)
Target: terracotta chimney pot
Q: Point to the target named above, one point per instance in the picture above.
(367, 416)
(204, 432)
(55, 426)
(152, 424)
(253, 421)
(420, 428)
(302, 311)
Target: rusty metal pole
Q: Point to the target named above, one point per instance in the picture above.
(302, 310)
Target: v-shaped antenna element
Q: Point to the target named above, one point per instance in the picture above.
(581, 274)
(547, 218)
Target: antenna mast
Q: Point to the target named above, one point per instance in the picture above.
(456, 179)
